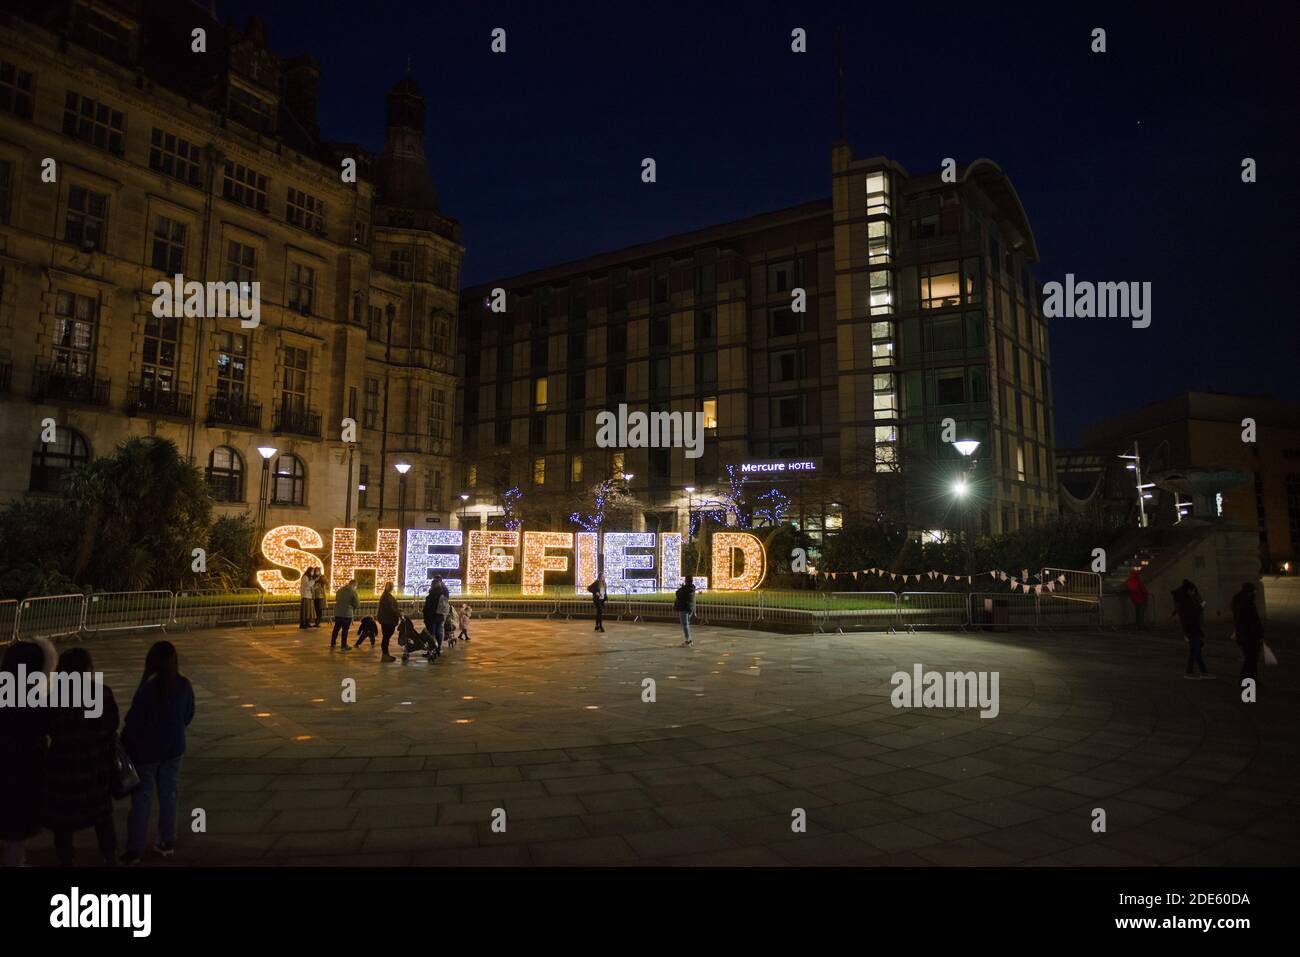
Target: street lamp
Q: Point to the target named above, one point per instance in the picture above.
(690, 512)
(464, 500)
(1135, 466)
(962, 486)
(267, 452)
(402, 469)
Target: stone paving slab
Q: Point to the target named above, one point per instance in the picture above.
(544, 722)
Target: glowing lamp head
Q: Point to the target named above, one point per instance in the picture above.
(266, 451)
(960, 488)
(690, 489)
(628, 476)
(966, 447)
(403, 467)
(464, 497)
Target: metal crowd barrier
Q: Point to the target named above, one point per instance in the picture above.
(1075, 605)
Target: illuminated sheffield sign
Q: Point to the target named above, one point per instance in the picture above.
(631, 559)
(779, 466)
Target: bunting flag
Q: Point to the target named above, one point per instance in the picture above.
(1024, 573)
(1061, 579)
(1038, 589)
(1014, 584)
(1051, 586)
(945, 577)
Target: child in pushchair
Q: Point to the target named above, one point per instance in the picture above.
(409, 639)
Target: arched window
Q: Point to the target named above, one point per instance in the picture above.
(288, 481)
(51, 460)
(226, 474)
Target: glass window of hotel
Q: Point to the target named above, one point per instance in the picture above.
(616, 461)
(784, 321)
(577, 345)
(877, 193)
(573, 428)
(886, 458)
(786, 365)
(288, 481)
(302, 287)
(504, 396)
(878, 250)
(539, 352)
(659, 464)
(86, 216)
(537, 430)
(1020, 462)
(158, 357)
(92, 122)
(972, 279)
(710, 409)
(706, 323)
(787, 411)
(6, 190)
(882, 353)
(539, 393)
(168, 253)
(244, 186)
(501, 434)
(660, 332)
(52, 460)
(293, 394)
(15, 90)
(225, 474)
(543, 307)
(617, 381)
(75, 321)
(706, 279)
(940, 287)
(578, 300)
(974, 330)
(241, 262)
(885, 405)
(660, 287)
(618, 290)
(949, 386)
(577, 386)
(979, 384)
(882, 292)
(706, 367)
(943, 334)
(575, 470)
(783, 276)
(175, 156)
(616, 337)
(660, 373)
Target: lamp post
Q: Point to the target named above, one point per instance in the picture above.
(391, 312)
(402, 469)
(263, 503)
(690, 513)
(962, 487)
(347, 511)
(1135, 466)
(464, 501)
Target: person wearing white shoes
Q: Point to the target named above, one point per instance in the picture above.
(684, 605)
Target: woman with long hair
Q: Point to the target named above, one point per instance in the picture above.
(154, 736)
(22, 757)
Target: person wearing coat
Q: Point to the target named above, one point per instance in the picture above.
(435, 609)
(154, 736)
(22, 758)
(306, 595)
(1249, 630)
(1190, 609)
(684, 604)
(388, 616)
(346, 606)
(1137, 593)
(81, 767)
(318, 597)
(598, 598)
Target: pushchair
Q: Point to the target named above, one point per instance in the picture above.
(410, 639)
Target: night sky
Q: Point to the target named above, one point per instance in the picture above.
(1128, 162)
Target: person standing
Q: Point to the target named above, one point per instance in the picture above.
(1137, 593)
(1249, 630)
(1190, 609)
(685, 607)
(346, 606)
(22, 757)
(81, 766)
(462, 619)
(432, 628)
(388, 616)
(306, 593)
(318, 596)
(598, 598)
(154, 736)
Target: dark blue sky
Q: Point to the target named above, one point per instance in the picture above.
(1128, 162)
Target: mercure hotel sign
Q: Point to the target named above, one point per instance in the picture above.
(772, 467)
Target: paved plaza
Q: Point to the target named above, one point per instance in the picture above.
(545, 720)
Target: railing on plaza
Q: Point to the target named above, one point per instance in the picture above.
(1074, 603)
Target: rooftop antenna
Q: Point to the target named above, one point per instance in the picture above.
(839, 76)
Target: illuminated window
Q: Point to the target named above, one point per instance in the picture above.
(160, 347)
(75, 322)
(882, 353)
(886, 458)
(940, 286)
(539, 470)
(877, 194)
(882, 294)
(886, 405)
(575, 470)
(288, 481)
(878, 241)
(471, 477)
(710, 408)
(539, 393)
(232, 368)
(1020, 463)
(616, 464)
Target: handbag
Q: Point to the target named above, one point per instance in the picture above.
(125, 777)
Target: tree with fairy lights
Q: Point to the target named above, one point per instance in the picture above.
(510, 508)
(609, 496)
(729, 508)
(772, 507)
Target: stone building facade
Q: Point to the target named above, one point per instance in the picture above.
(126, 157)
